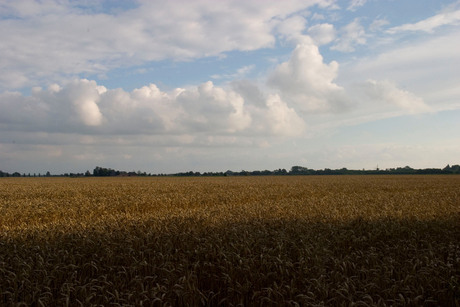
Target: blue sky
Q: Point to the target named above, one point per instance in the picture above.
(169, 86)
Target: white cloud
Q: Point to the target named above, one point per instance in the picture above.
(213, 110)
(83, 107)
(283, 119)
(426, 67)
(250, 92)
(322, 33)
(240, 73)
(291, 28)
(26, 8)
(386, 92)
(430, 24)
(349, 36)
(60, 39)
(317, 16)
(306, 82)
(354, 4)
(84, 95)
(199, 114)
(377, 24)
(301, 94)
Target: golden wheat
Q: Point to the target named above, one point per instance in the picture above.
(315, 241)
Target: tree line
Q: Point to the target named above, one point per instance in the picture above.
(295, 170)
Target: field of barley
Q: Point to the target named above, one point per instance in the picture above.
(269, 241)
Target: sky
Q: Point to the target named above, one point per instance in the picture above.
(172, 86)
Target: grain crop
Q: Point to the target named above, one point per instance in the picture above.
(264, 241)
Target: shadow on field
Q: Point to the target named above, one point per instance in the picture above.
(258, 262)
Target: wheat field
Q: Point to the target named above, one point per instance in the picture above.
(248, 241)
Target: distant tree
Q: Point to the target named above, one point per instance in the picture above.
(87, 174)
(48, 174)
(280, 172)
(300, 170)
(297, 169)
(102, 171)
(97, 171)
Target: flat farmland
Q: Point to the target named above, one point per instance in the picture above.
(281, 240)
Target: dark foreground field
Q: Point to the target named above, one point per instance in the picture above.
(309, 241)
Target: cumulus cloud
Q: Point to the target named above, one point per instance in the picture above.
(349, 36)
(62, 39)
(322, 33)
(84, 95)
(56, 108)
(209, 108)
(291, 28)
(306, 82)
(300, 94)
(146, 110)
(250, 92)
(283, 119)
(84, 107)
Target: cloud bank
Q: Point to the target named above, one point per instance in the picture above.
(296, 93)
